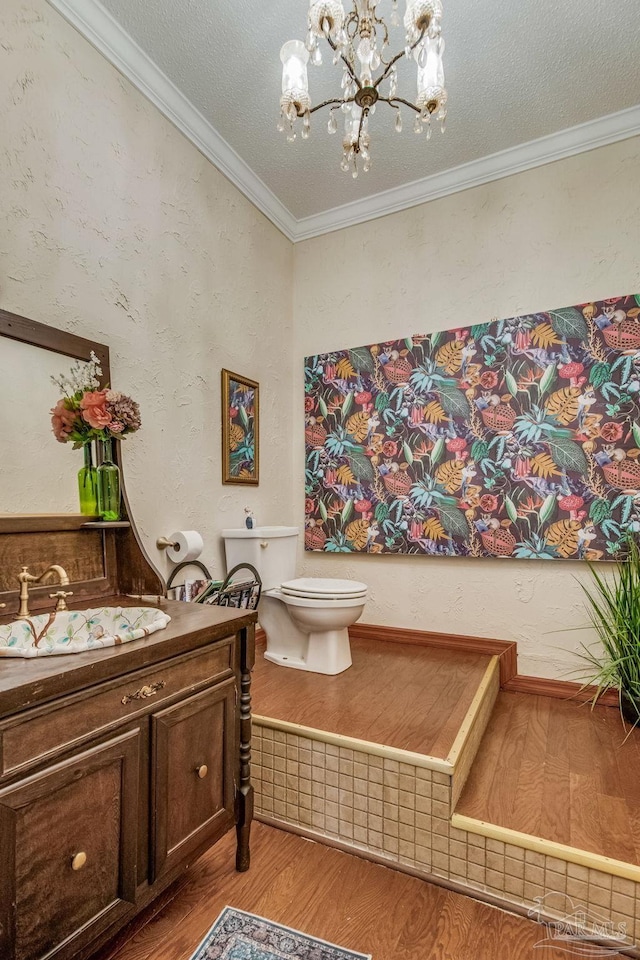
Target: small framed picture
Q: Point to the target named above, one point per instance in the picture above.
(240, 429)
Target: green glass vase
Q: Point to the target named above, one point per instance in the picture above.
(108, 483)
(88, 484)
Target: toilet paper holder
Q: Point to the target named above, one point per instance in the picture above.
(181, 545)
(163, 543)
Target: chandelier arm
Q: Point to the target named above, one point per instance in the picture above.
(385, 42)
(395, 59)
(392, 102)
(326, 103)
(354, 75)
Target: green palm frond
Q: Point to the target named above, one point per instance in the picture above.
(613, 605)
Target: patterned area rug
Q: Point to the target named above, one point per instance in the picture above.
(237, 935)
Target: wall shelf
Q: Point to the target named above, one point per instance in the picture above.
(106, 525)
(41, 522)
(55, 523)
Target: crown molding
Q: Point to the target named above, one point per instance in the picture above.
(526, 156)
(97, 25)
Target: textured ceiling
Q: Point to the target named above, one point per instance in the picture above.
(516, 70)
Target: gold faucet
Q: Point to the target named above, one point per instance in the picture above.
(25, 578)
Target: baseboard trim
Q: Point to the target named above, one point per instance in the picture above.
(506, 650)
(559, 689)
(482, 896)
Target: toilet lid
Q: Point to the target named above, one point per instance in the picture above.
(315, 587)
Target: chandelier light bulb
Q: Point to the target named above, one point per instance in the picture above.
(431, 90)
(295, 57)
(361, 46)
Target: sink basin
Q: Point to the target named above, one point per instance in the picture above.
(75, 631)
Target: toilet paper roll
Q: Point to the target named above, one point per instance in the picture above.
(188, 545)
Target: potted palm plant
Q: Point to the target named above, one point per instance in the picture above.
(614, 610)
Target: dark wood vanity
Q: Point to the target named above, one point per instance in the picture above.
(118, 768)
(121, 765)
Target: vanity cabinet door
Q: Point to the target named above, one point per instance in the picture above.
(68, 851)
(195, 753)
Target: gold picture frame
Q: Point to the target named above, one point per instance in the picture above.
(240, 429)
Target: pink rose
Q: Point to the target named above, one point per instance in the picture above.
(116, 427)
(94, 409)
(62, 421)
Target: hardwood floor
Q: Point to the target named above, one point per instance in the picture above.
(400, 695)
(560, 771)
(337, 897)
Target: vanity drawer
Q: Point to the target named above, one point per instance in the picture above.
(40, 733)
(71, 840)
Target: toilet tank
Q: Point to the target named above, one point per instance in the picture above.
(271, 550)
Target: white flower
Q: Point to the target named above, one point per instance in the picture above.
(84, 376)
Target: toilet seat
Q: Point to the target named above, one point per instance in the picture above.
(320, 603)
(316, 588)
(329, 597)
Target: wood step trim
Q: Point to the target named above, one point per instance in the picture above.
(560, 690)
(467, 741)
(594, 861)
(506, 650)
(353, 743)
(484, 691)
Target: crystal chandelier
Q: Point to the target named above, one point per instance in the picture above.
(360, 42)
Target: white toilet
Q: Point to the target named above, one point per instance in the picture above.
(306, 621)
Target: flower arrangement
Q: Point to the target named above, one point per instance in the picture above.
(85, 412)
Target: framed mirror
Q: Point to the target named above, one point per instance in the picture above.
(40, 519)
(39, 475)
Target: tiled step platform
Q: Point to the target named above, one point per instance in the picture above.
(425, 779)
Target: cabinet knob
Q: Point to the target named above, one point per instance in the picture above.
(79, 861)
(202, 771)
(264, 544)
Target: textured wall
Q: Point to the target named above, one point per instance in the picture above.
(564, 233)
(116, 228)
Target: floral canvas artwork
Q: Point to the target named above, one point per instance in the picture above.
(515, 438)
(240, 436)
